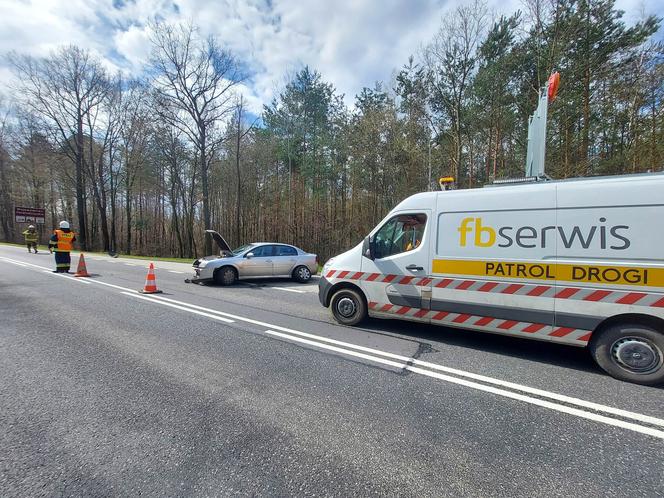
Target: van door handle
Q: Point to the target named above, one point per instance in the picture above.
(414, 268)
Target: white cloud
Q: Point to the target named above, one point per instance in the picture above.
(134, 45)
(353, 43)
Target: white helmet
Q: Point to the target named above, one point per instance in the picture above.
(64, 224)
(31, 227)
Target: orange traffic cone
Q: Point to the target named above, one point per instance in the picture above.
(150, 283)
(81, 270)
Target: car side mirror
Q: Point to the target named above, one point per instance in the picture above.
(367, 248)
(249, 255)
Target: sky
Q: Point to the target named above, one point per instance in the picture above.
(352, 43)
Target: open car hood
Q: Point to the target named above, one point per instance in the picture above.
(224, 248)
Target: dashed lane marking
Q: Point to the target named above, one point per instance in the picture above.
(287, 289)
(183, 308)
(67, 277)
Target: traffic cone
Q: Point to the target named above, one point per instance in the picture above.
(81, 270)
(150, 283)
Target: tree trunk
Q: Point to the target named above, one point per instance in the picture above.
(80, 191)
(4, 197)
(128, 197)
(205, 188)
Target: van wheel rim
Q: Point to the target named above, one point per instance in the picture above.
(304, 273)
(346, 307)
(637, 355)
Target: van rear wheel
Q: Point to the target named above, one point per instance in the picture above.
(632, 352)
(348, 307)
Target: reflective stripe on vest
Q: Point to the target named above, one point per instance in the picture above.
(65, 240)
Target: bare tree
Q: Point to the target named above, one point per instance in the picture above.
(239, 133)
(5, 201)
(193, 80)
(102, 126)
(133, 142)
(63, 89)
(451, 60)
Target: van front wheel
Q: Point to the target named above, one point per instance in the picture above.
(348, 307)
(630, 351)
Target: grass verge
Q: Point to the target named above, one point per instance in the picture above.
(128, 256)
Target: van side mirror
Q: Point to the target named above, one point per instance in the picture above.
(367, 248)
(249, 255)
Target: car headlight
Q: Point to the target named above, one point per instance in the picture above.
(202, 263)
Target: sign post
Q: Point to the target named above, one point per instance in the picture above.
(29, 215)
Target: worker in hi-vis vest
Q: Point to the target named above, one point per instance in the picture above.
(31, 238)
(62, 242)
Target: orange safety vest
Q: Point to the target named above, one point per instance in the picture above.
(65, 241)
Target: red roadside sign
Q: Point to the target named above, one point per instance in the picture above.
(29, 215)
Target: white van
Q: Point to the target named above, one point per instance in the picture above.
(578, 262)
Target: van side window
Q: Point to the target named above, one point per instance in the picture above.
(400, 234)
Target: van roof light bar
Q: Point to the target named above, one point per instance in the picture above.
(446, 182)
(523, 179)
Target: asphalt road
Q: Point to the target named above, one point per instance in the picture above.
(254, 390)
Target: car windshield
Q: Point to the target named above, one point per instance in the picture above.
(241, 249)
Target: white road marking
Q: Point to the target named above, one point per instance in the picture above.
(287, 289)
(544, 404)
(16, 263)
(173, 271)
(23, 263)
(410, 365)
(208, 315)
(481, 387)
(405, 359)
(309, 288)
(113, 285)
(337, 349)
(65, 276)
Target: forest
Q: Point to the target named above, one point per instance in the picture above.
(144, 165)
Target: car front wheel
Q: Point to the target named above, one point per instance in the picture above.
(348, 307)
(225, 276)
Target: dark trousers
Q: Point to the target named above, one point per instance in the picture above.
(62, 261)
(31, 244)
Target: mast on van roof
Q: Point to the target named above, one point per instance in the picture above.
(537, 129)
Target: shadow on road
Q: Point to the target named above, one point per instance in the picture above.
(271, 282)
(553, 354)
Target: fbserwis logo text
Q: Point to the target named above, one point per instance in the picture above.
(599, 236)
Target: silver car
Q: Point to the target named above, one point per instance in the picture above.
(259, 259)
